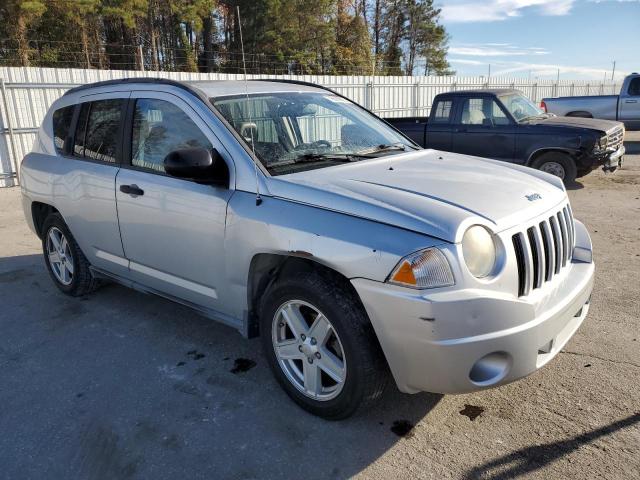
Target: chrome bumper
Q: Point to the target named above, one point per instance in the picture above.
(438, 341)
(614, 161)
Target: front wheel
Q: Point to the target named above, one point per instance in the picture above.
(321, 346)
(559, 164)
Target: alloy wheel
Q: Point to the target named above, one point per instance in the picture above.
(308, 350)
(59, 256)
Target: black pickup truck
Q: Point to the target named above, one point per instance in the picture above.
(505, 125)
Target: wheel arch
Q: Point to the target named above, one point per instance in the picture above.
(580, 113)
(39, 212)
(266, 268)
(543, 151)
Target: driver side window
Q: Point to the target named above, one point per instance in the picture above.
(160, 127)
(482, 111)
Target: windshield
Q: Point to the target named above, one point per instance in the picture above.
(296, 131)
(520, 106)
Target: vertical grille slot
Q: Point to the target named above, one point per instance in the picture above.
(549, 257)
(570, 227)
(557, 242)
(564, 236)
(536, 255)
(522, 274)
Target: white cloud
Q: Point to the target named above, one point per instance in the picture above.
(495, 50)
(496, 10)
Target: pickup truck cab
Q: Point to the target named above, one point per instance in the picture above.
(290, 213)
(504, 124)
(624, 107)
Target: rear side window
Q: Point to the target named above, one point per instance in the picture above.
(442, 111)
(97, 131)
(61, 124)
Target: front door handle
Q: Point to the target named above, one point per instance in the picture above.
(461, 130)
(132, 190)
(631, 101)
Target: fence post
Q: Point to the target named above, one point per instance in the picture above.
(368, 96)
(416, 98)
(12, 163)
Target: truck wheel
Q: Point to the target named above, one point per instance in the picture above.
(558, 164)
(321, 346)
(66, 263)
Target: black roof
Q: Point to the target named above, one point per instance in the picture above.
(485, 91)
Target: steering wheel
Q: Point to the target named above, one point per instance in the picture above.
(320, 144)
(517, 110)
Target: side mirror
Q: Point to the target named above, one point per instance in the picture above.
(198, 164)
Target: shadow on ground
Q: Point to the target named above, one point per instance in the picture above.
(120, 384)
(536, 457)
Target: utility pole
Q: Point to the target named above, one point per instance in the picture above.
(489, 73)
(613, 72)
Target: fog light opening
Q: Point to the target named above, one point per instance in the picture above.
(490, 369)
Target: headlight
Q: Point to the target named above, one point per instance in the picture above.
(603, 142)
(479, 251)
(427, 268)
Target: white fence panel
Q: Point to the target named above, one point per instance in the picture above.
(27, 94)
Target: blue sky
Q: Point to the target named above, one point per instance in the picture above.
(538, 37)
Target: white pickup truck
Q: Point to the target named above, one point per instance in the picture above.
(624, 107)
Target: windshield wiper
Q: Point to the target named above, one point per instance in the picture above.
(399, 147)
(319, 157)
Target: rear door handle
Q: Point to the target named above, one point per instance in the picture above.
(132, 190)
(461, 130)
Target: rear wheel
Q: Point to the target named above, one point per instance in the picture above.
(66, 263)
(559, 164)
(321, 346)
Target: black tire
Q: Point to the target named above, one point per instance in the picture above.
(82, 281)
(550, 161)
(367, 372)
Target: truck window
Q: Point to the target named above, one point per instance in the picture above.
(442, 111)
(61, 125)
(634, 87)
(97, 132)
(160, 127)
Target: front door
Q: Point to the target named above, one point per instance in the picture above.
(172, 229)
(483, 129)
(630, 105)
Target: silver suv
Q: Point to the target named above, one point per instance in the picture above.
(291, 213)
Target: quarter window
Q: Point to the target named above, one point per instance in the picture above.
(61, 124)
(442, 111)
(159, 127)
(97, 131)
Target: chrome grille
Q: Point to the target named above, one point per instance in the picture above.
(543, 250)
(615, 138)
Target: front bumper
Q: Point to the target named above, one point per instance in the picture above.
(612, 160)
(439, 342)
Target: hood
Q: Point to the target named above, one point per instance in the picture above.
(436, 193)
(577, 122)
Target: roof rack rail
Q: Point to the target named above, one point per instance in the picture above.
(123, 81)
(294, 82)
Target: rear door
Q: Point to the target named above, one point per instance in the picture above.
(172, 229)
(91, 159)
(484, 129)
(440, 124)
(629, 106)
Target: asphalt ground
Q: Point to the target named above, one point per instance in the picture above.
(124, 385)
